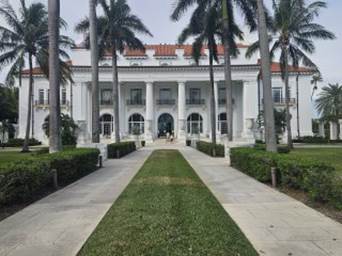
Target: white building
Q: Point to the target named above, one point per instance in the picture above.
(162, 90)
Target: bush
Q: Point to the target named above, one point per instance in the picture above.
(20, 142)
(21, 180)
(318, 179)
(143, 143)
(188, 143)
(209, 148)
(118, 150)
(280, 149)
(315, 140)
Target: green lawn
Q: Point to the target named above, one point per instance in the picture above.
(167, 210)
(332, 156)
(8, 156)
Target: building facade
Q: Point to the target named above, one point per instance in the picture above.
(162, 90)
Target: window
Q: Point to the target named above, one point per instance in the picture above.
(195, 124)
(221, 95)
(136, 96)
(222, 123)
(277, 95)
(195, 94)
(64, 99)
(106, 126)
(136, 124)
(41, 97)
(106, 97)
(165, 94)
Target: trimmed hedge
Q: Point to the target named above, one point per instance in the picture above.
(118, 150)
(208, 148)
(318, 179)
(22, 180)
(315, 140)
(20, 142)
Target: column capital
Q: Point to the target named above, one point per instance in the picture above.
(149, 82)
(181, 82)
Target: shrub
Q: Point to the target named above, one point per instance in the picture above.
(21, 180)
(312, 140)
(143, 143)
(319, 180)
(209, 148)
(20, 142)
(188, 143)
(118, 150)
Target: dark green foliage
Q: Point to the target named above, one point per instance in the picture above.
(68, 129)
(210, 148)
(167, 210)
(143, 143)
(21, 180)
(20, 142)
(320, 180)
(188, 143)
(118, 150)
(314, 140)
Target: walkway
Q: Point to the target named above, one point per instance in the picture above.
(59, 224)
(274, 223)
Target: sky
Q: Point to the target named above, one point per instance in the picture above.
(156, 16)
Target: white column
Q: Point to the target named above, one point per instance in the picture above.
(333, 131)
(250, 109)
(216, 107)
(181, 111)
(340, 123)
(321, 130)
(149, 112)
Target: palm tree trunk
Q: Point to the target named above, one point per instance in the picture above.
(29, 107)
(54, 73)
(115, 94)
(270, 137)
(212, 99)
(95, 72)
(227, 71)
(287, 99)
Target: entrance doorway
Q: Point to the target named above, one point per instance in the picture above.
(165, 125)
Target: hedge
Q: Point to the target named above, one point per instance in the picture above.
(20, 142)
(209, 148)
(319, 180)
(315, 140)
(118, 150)
(22, 180)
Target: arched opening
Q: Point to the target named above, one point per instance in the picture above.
(136, 124)
(165, 125)
(222, 123)
(195, 124)
(107, 125)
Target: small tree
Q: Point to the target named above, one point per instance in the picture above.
(68, 129)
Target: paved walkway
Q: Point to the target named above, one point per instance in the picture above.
(274, 223)
(59, 224)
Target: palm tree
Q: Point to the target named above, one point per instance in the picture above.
(116, 31)
(95, 71)
(316, 78)
(329, 103)
(227, 20)
(24, 39)
(293, 34)
(206, 27)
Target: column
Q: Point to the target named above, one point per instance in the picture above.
(340, 123)
(250, 109)
(181, 111)
(216, 107)
(321, 130)
(149, 112)
(333, 131)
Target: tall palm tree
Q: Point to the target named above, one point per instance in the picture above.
(206, 28)
(329, 103)
(94, 71)
(24, 39)
(227, 19)
(293, 36)
(116, 31)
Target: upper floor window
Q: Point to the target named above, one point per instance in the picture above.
(165, 94)
(277, 94)
(195, 94)
(41, 97)
(136, 95)
(64, 96)
(106, 97)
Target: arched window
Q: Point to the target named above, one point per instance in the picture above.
(136, 124)
(106, 125)
(222, 123)
(195, 124)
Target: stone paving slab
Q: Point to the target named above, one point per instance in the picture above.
(276, 224)
(59, 224)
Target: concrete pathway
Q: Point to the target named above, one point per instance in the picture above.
(274, 223)
(59, 224)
